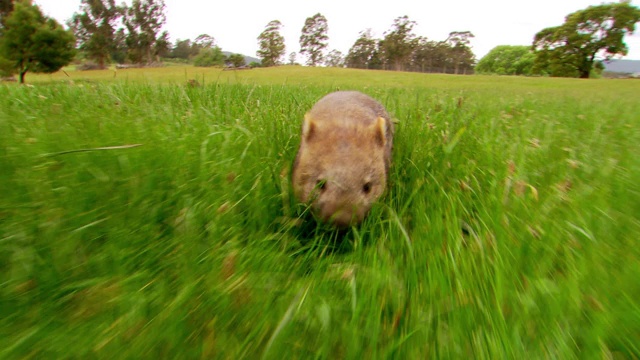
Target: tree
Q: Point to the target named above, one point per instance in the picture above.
(314, 38)
(181, 49)
(462, 57)
(459, 38)
(161, 47)
(207, 57)
(422, 56)
(440, 57)
(447, 56)
(507, 60)
(6, 7)
(143, 20)
(364, 52)
(33, 42)
(236, 60)
(94, 28)
(271, 44)
(6, 66)
(402, 50)
(595, 33)
(292, 58)
(398, 44)
(334, 59)
(119, 49)
(204, 41)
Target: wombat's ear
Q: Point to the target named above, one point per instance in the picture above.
(308, 128)
(380, 129)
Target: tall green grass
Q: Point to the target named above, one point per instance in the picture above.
(509, 229)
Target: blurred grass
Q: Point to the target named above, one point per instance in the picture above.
(509, 229)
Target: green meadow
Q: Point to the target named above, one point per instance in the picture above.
(148, 214)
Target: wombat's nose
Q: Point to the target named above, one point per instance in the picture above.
(343, 218)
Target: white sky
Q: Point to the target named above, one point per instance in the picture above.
(235, 24)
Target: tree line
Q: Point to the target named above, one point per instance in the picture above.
(402, 50)
(102, 32)
(577, 48)
(399, 49)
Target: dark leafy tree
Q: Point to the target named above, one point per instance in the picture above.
(181, 49)
(94, 28)
(364, 53)
(507, 60)
(314, 39)
(271, 44)
(398, 44)
(377, 61)
(144, 19)
(6, 67)
(119, 49)
(334, 59)
(6, 6)
(595, 33)
(33, 42)
(162, 48)
(195, 49)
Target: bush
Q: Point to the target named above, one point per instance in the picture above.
(507, 60)
(236, 61)
(209, 57)
(90, 66)
(6, 68)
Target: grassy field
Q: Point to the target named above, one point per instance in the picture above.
(510, 228)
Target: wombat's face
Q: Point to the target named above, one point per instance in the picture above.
(340, 172)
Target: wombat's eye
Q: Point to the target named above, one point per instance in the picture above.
(366, 188)
(321, 184)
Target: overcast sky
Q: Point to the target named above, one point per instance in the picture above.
(235, 24)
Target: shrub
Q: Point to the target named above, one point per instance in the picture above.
(90, 66)
(209, 57)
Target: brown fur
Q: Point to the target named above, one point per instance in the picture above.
(345, 152)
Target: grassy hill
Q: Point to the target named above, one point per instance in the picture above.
(144, 216)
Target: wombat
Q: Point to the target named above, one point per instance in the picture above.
(344, 157)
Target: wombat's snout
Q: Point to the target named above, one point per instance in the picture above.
(339, 210)
(341, 218)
